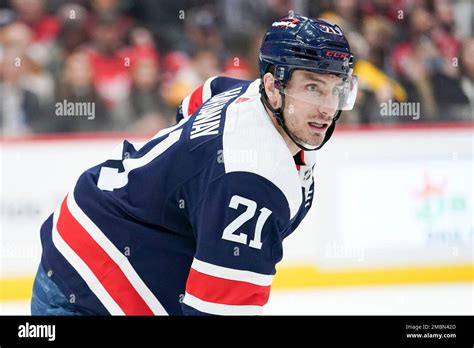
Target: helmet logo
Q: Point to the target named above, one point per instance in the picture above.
(334, 54)
(286, 23)
(330, 30)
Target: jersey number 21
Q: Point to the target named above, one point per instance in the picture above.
(249, 213)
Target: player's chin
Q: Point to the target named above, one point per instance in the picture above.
(311, 138)
(315, 139)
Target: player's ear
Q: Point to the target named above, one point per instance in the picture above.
(272, 92)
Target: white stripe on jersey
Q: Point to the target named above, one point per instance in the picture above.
(232, 274)
(206, 89)
(185, 106)
(220, 309)
(119, 258)
(84, 271)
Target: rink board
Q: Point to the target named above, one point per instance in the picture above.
(392, 206)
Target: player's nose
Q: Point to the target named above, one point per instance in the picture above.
(326, 113)
(327, 107)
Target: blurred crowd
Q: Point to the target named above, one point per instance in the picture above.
(136, 60)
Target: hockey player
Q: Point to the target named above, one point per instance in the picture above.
(192, 221)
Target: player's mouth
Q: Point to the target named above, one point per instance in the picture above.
(318, 127)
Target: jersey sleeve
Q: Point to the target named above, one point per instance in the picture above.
(210, 88)
(238, 225)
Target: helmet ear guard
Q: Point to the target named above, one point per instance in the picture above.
(280, 85)
(282, 74)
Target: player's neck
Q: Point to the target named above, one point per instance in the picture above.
(294, 149)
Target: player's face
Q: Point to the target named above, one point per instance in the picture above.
(310, 105)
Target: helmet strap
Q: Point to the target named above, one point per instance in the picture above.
(278, 114)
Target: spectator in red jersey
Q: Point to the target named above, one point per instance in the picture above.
(386, 8)
(111, 70)
(32, 12)
(111, 9)
(443, 33)
(237, 68)
(172, 63)
(148, 110)
(413, 61)
(142, 47)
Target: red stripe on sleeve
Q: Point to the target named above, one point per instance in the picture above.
(195, 100)
(224, 291)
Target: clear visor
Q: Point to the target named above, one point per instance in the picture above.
(338, 95)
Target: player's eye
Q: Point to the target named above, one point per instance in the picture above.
(313, 88)
(336, 91)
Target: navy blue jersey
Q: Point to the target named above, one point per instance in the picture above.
(191, 221)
